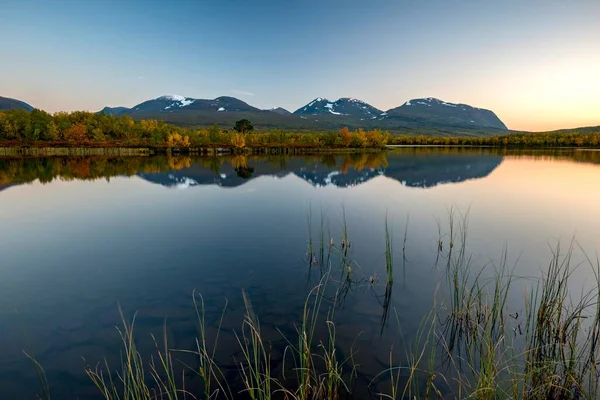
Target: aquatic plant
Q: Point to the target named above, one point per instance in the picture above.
(389, 253)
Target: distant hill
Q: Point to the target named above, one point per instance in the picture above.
(280, 111)
(6, 103)
(113, 110)
(433, 111)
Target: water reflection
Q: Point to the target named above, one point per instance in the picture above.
(415, 169)
(419, 167)
(71, 251)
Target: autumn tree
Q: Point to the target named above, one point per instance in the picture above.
(346, 136)
(177, 140)
(360, 138)
(76, 134)
(238, 141)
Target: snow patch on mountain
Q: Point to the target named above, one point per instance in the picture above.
(186, 102)
(173, 97)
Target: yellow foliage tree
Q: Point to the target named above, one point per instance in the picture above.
(176, 140)
(360, 138)
(346, 136)
(238, 141)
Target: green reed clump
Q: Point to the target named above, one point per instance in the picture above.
(493, 355)
(561, 334)
(131, 381)
(209, 371)
(255, 368)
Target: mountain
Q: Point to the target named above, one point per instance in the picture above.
(6, 103)
(433, 111)
(181, 104)
(113, 110)
(280, 111)
(427, 116)
(344, 106)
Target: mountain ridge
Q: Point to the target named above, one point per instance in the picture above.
(427, 115)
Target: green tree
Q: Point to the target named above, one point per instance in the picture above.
(214, 133)
(243, 126)
(51, 131)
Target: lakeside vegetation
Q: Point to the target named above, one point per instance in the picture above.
(19, 128)
(469, 346)
(41, 129)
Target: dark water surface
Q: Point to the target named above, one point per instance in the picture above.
(80, 236)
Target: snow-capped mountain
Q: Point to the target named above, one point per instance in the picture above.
(343, 106)
(175, 103)
(439, 112)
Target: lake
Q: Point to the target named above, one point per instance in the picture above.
(81, 237)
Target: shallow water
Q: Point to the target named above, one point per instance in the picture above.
(79, 237)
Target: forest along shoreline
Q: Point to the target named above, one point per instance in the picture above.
(85, 133)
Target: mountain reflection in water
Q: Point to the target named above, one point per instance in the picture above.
(416, 167)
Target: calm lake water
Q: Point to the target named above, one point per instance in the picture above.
(78, 237)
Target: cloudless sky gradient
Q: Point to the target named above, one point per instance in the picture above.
(535, 63)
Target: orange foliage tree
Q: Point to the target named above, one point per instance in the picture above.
(76, 133)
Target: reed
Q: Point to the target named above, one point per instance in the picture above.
(255, 368)
(389, 253)
(209, 371)
(132, 379)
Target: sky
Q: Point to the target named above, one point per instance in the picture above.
(535, 63)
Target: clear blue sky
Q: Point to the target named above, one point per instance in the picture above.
(535, 63)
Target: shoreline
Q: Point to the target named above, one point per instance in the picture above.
(14, 151)
(149, 151)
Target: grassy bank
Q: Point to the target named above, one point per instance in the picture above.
(469, 346)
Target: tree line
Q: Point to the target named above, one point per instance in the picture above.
(79, 128)
(588, 138)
